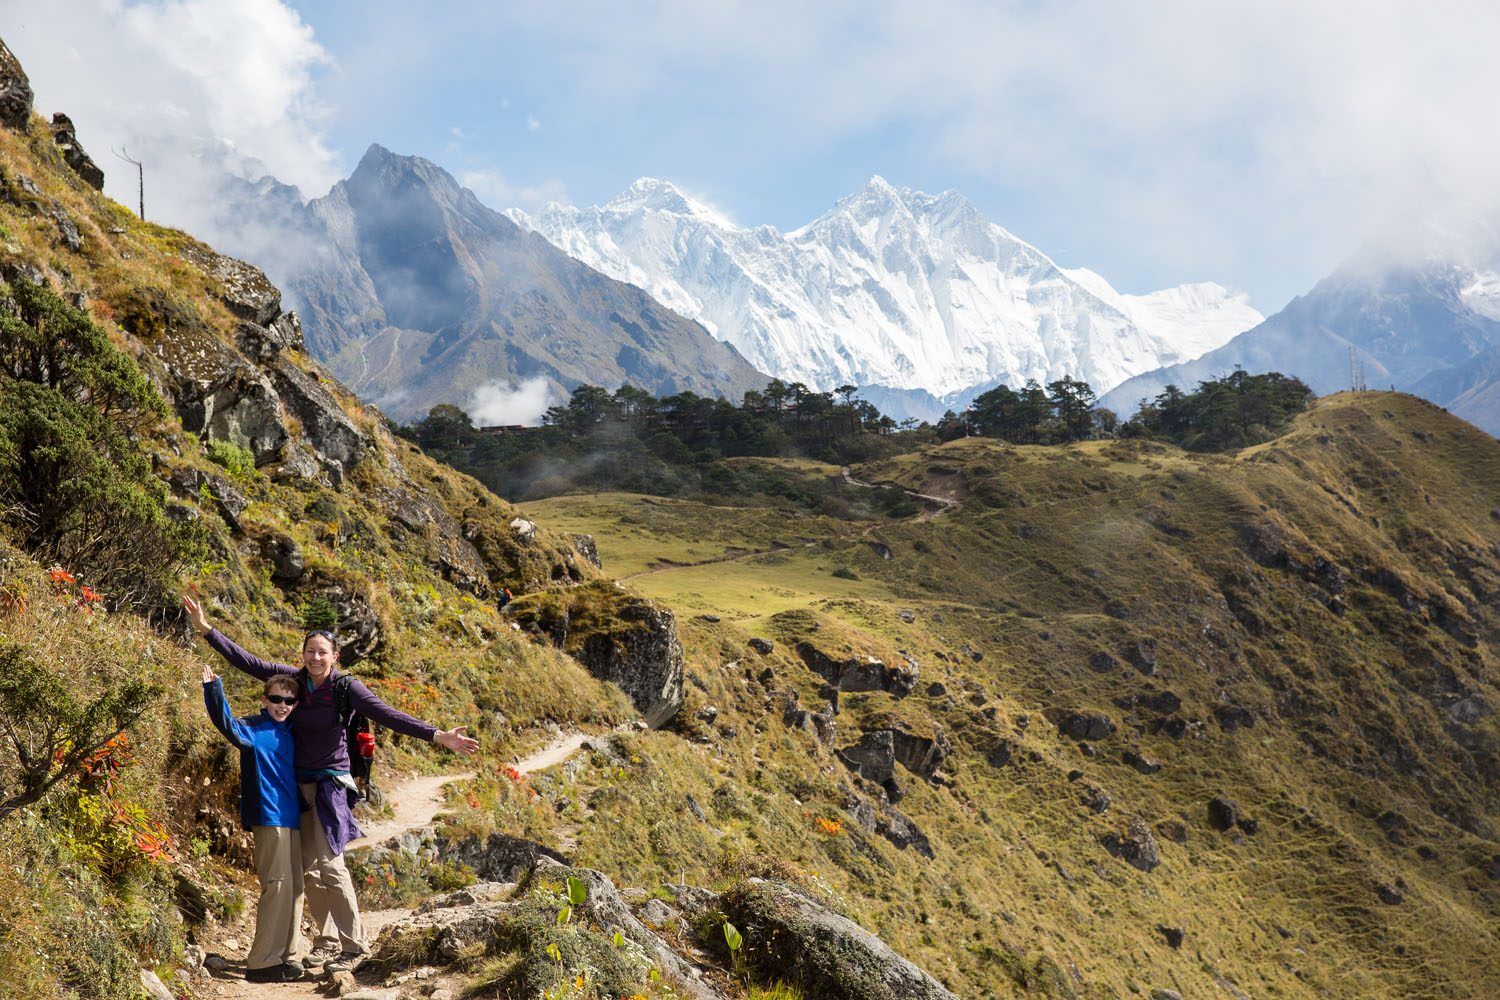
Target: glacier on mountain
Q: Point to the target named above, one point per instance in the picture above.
(890, 288)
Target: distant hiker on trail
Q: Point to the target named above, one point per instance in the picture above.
(505, 598)
(322, 758)
(272, 810)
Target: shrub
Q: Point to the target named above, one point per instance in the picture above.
(72, 478)
(237, 459)
(52, 732)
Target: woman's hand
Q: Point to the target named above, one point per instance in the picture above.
(208, 674)
(455, 740)
(196, 616)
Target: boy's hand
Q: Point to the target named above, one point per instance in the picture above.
(196, 616)
(208, 674)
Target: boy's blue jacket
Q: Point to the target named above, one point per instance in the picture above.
(268, 784)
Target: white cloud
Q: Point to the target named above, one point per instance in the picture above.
(501, 403)
(1199, 136)
(194, 88)
(492, 188)
(533, 123)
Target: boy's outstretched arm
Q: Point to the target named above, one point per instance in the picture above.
(219, 713)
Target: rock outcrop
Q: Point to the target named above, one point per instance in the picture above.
(15, 91)
(875, 755)
(855, 673)
(619, 637)
(786, 934)
(643, 658)
(73, 154)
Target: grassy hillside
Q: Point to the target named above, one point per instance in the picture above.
(1323, 608)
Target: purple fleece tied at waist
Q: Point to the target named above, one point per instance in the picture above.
(335, 805)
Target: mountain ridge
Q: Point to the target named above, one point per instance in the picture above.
(416, 293)
(891, 287)
(1428, 327)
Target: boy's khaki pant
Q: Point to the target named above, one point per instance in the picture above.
(330, 889)
(278, 915)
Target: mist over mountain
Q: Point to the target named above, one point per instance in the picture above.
(1426, 321)
(415, 293)
(917, 298)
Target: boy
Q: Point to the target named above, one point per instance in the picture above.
(271, 808)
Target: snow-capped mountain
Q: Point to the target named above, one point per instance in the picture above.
(890, 288)
(1424, 318)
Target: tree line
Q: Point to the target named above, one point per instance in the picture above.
(673, 445)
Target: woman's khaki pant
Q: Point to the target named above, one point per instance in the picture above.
(330, 889)
(278, 915)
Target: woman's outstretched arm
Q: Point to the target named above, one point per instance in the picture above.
(371, 707)
(226, 647)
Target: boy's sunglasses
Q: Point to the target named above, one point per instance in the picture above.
(278, 699)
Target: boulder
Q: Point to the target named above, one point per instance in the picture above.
(1172, 935)
(608, 909)
(1233, 717)
(265, 343)
(440, 934)
(1103, 662)
(1391, 894)
(196, 484)
(761, 646)
(1136, 846)
(829, 956)
(820, 724)
(1222, 813)
(1160, 702)
(1142, 655)
(639, 652)
(855, 673)
(1142, 764)
(15, 92)
(338, 444)
(884, 820)
(359, 627)
(1096, 799)
(875, 756)
(1000, 754)
(67, 230)
(243, 288)
(1086, 725)
(584, 545)
(285, 557)
(64, 135)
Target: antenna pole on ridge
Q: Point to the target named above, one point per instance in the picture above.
(140, 177)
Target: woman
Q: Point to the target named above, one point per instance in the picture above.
(321, 758)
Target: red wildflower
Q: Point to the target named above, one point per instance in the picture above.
(90, 595)
(63, 577)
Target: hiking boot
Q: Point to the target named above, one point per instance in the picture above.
(286, 972)
(319, 957)
(347, 961)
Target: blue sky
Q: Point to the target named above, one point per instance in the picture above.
(1155, 142)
